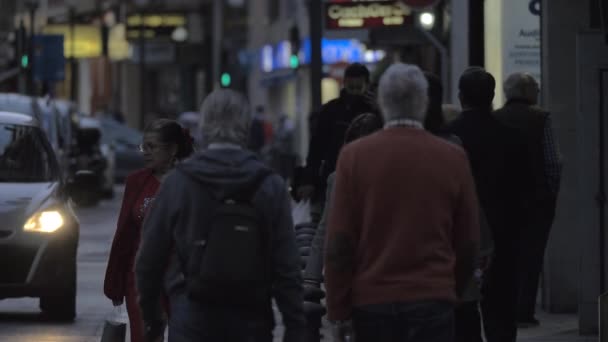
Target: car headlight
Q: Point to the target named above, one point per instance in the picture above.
(47, 221)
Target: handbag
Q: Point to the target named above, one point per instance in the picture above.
(115, 327)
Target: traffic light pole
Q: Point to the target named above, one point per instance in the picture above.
(32, 6)
(316, 63)
(73, 65)
(142, 72)
(218, 36)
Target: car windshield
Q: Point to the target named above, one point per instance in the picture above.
(25, 155)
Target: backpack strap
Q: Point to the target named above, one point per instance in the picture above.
(248, 192)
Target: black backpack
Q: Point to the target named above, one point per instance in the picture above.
(228, 260)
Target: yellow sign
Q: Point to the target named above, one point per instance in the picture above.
(86, 42)
(157, 20)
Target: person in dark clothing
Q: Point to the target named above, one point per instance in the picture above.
(257, 136)
(332, 122)
(497, 156)
(467, 319)
(522, 113)
(434, 120)
(224, 167)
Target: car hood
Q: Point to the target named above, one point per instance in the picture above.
(18, 201)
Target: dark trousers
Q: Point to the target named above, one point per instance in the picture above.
(499, 301)
(405, 322)
(533, 244)
(192, 322)
(467, 323)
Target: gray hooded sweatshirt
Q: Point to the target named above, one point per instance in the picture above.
(176, 211)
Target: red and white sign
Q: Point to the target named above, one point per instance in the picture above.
(366, 14)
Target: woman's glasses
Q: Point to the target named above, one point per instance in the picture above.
(150, 147)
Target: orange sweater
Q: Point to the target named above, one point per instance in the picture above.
(407, 200)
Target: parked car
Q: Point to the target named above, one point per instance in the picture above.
(39, 231)
(49, 119)
(91, 171)
(126, 141)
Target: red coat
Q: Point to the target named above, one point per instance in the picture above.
(126, 239)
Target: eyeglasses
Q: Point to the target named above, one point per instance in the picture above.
(150, 147)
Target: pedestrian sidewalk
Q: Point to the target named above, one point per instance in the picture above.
(554, 328)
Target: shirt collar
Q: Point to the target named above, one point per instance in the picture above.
(404, 122)
(224, 146)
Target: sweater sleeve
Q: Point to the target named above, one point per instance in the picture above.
(342, 238)
(155, 249)
(122, 248)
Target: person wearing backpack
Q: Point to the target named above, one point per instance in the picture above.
(223, 222)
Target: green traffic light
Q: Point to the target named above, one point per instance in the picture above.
(294, 62)
(225, 80)
(25, 61)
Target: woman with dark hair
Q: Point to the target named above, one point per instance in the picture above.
(165, 143)
(363, 125)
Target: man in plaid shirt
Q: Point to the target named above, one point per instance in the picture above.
(521, 112)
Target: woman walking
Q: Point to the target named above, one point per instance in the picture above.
(165, 143)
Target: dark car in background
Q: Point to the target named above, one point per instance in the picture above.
(39, 231)
(125, 142)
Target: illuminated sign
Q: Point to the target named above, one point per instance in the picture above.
(333, 51)
(86, 42)
(154, 25)
(345, 15)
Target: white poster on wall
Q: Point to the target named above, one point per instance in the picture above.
(521, 37)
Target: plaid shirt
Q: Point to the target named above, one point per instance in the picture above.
(553, 164)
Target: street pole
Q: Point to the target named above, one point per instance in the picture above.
(316, 62)
(142, 72)
(218, 35)
(73, 65)
(32, 6)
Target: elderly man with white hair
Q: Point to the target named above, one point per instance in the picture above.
(522, 113)
(403, 232)
(221, 237)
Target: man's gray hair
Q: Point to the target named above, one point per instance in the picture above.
(402, 93)
(225, 118)
(520, 86)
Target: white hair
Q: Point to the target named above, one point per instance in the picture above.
(225, 118)
(520, 86)
(402, 93)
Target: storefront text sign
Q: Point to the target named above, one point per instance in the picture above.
(367, 14)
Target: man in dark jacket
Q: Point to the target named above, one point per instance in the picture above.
(181, 208)
(499, 167)
(328, 135)
(522, 113)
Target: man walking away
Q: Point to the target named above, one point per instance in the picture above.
(403, 230)
(220, 235)
(522, 113)
(328, 136)
(499, 165)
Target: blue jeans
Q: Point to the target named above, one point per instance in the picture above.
(192, 322)
(428, 321)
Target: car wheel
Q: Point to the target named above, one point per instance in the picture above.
(62, 306)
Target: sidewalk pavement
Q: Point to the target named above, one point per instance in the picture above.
(554, 328)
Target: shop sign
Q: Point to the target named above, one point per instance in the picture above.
(155, 26)
(368, 14)
(84, 43)
(521, 38)
(333, 51)
(49, 60)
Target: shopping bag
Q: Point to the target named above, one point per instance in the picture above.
(300, 212)
(115, 326)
